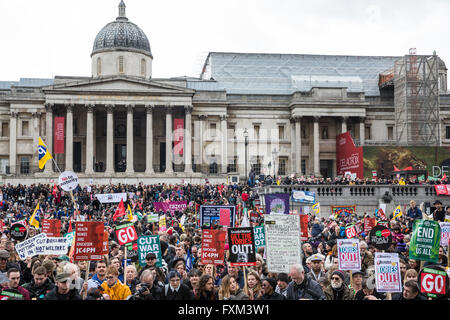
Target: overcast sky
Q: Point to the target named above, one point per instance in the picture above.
(41, 39)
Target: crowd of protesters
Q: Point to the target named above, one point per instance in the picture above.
(182, 275)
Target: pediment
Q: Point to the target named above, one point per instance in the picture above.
(118, 84)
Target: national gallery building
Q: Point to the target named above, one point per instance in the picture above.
(271, 113)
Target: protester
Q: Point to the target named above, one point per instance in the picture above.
(268, 290)
(62, 291)
(40, 285)
(113, 288)
(100, 275)
(236, 293)
(410, 292)
(282, 283)
(205, 289)
(12, 287)
(176, 290)
(338, 290)
(145, 289)
(302, 288)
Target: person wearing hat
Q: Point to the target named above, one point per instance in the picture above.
(439, 212)
(268, 290)
(338, 290)
(368, 290)
(5, 262)
(316, 271)
(62, 289)
(282, 283)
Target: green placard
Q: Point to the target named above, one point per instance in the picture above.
(148, 244)
(425, 241)
(260, 239)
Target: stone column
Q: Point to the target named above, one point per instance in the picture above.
(149, 140)
(188, 140)
(361, 131)
(69, 137)
(13, 142)
(109, 139)
(344, 124)
(201, 126)
(130, 146)
(36, 134)
(316, 147)
(298, 145)
(89, 139)
(49, 135)
(169, 133)
(223, 126)
(293, 145)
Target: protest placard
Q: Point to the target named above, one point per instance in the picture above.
(277, 203)
(153, 218)
(51, 246)
(19, 230)
(304, 227)
(260, 238)
(112, 197)
(27, 248)
(445, 233)
(162, 223)
(425, 241)
(242, 246)
(304, 197)
(387, 272)
(225, 216)
(51, 227)
(348, 254)
(213, 246)
(89, 240)
(170, 206)
(210, 216)
(126, 233)
(433, 282)
(283, 245)
(149, 244)
(350, 231)
(380, 237)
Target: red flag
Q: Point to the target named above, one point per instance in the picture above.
(396, 169)
(120, 211)
(407, 168)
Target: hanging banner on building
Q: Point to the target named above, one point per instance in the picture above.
(260, 238)
(283, 245)
(149, 244)
(387, 272)
(442, 189)
(89, 240)
(58, 147)
(171, 206)
(51, 227)
(277, 203)
(425, 241)
(445, 233)
(213, 246)
(305, 197)
(178, 136)
(348, 254)
(349, 158)
(111, 197)
(210, 216)
(242, 246)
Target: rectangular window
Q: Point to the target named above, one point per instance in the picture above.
(324, 132)
(390, 132)
(304, 166)
(25, 128)
(213, 167)
(121, 64)
(5, 129)
(212, 128)
(368, 133)
(280, 132)
(232, 167)
(4, 162)
(256, 128)
(447, 132)
(282, 166)
(257, 166)
(25, 165)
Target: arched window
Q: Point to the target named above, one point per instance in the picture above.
(99, 66)
(143, 67)
(121, 64)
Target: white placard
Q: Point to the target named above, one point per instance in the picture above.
(68, 180)
(111, 197)
(387, 272)
(27, 248)
(53, 246)
(348, 254)
(445, 233)
(283, 245)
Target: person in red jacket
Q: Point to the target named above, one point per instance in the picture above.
(13, 289)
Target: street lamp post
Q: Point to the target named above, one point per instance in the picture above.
(246, 144)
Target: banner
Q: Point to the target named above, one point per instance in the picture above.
(283, 246)
(51, 227)
(126, 233)
(387, 272)
(213, 246)
(210, 216)
(146, 245)
(343, 210)
(27, 248)
(260, 238)
(305, 197)
(58, 146)
(349, 158)
(442, 189)
(51, 246)
(277, 203)
(445, 233)
(242, 246)
(171, 206)
(89, 241)
(111, 197)
(304, 227)
(348, 254)
(152, 218)
(178, 136)
(425, 241)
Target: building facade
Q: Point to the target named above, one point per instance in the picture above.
(273, 113)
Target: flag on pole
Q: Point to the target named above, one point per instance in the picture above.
(120, 211)
(316, 208)
(35, 217)
(43, 153)
(397, 212)
(130, 213)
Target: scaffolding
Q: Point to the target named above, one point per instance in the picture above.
(416, 100)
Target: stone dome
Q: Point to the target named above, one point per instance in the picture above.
(121, 34)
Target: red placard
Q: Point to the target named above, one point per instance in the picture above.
(89, 240)
(213, 246)
(349, 158)
(51, 227)
(432, 283)
(59, 136)
(442, 189)
(224, 218)
(304, 227)
(369, 223)
(178, 136)
(126, 233)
